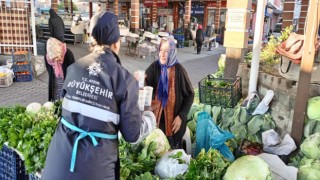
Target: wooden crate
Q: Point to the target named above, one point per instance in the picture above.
(6, 81)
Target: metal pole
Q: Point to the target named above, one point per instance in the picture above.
(33, 24)
(257, 41)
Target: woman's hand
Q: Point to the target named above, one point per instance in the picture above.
(139, 75)
(176, 124)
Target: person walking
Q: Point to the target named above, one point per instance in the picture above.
(199, 38)
(56, 26)
(209, 34)
(100, 99)
(172, 92)
(58, 58)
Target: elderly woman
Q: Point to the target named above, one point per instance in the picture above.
(100, 99)
(58, 58)
(172, 92)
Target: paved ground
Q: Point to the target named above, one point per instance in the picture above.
(197, 66)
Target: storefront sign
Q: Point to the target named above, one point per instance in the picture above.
(195, 5)
(164, 11)
(196, 11)
(160, 3)
(212, 4)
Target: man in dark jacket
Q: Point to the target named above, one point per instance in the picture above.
(56, 26)
(100, 99)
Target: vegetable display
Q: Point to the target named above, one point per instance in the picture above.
(28, 130)
(236, 120)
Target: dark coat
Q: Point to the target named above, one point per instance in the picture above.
(199, 36)
(56, 26)
(68, 60)
(184, 93)
(99, 96)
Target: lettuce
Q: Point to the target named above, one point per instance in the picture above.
(248, 167)
(309, 169)
(162, 143)
(313, 108)
(310, 146)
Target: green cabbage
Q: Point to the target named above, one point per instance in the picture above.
(161, 141)
(248, 168)
(192, 125)
(312, 127)
(313, 111)
(309, 169)
(311, 146)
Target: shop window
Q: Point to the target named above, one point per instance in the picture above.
(222, 20)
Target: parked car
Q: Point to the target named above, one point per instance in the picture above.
(277, 30)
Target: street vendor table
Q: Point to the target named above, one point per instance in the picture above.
(132, 40)
(148, 50)
(207, 40)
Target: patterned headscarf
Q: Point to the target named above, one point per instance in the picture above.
(163, 86)
(55, 55)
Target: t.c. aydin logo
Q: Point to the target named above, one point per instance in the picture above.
(94, 69)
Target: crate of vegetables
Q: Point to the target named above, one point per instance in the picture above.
(23, 76)
(220, 92)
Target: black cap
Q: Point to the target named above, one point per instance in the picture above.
(106, 31)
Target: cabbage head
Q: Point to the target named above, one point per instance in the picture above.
(309, 169)
(313, 111)
(161, 141)
(248, 168)
(311, 146)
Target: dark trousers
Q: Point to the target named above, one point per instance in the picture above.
(199, 46)
(175, 141)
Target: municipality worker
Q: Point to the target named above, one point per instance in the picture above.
(100, 99)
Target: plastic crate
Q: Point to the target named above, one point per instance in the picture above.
(23, 77)
(11, 165)
(20, 57)
(179, 37)
(6, 81)
(21, 68)
(34, 177)
(220, 92)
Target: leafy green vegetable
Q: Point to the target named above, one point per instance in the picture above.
(138, 159)
(216, 113)
(311, 146)
(147, 176)
(210, 165)
(313, 111)
(255, 124)
(192, 125)
(295, 160)
(248, 167)
(194, 108)
(178, 156)
(309, 169)
(29, 133)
